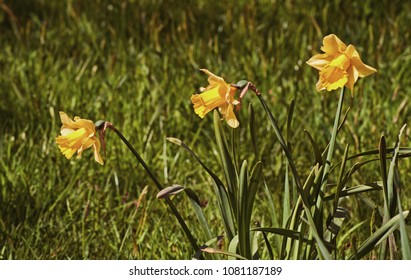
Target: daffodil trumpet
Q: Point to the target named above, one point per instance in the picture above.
(218, 94)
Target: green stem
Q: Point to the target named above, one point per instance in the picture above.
(160, 187)
(321, 246)
(330, 152)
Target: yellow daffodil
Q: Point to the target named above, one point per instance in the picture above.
(76, 136)
(217, 94)
(339, 65)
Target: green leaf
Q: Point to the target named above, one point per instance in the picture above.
(323, 252)
(293, 234)
(317, 153)
(383, 165)
(195, 202)
(253, 130)
(242, 218)
(374, 186)
(390, 177)
(382, 233)
(341, 183)
(227, 163)
(253, 187)
(232, 247)
(405, 241)
(219, 189)
(289, 121)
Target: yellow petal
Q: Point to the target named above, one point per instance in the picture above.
(66, 131)
(64, 147)
(352, 78)
(213, 79)
(96, 149)
(363, 69)
(77, 136)
(318, 61)
(230, 117)
(332, 45)
(65, 119)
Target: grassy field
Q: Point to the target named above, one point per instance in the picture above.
(135, 64)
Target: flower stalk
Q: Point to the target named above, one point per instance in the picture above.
(155, 180)
(330, 152)
(323, 251)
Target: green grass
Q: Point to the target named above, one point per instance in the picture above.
(135, 64)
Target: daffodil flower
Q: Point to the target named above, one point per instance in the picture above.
(339, 65)
(77, 136)
(217, 94)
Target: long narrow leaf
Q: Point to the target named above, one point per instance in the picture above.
(374, 186)
(316, 150)
(253, 130)
(294, 234)
(369, 244)
(323, 252)
(219, 188)
(405, 241)
(242, 218)
(227, 163)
